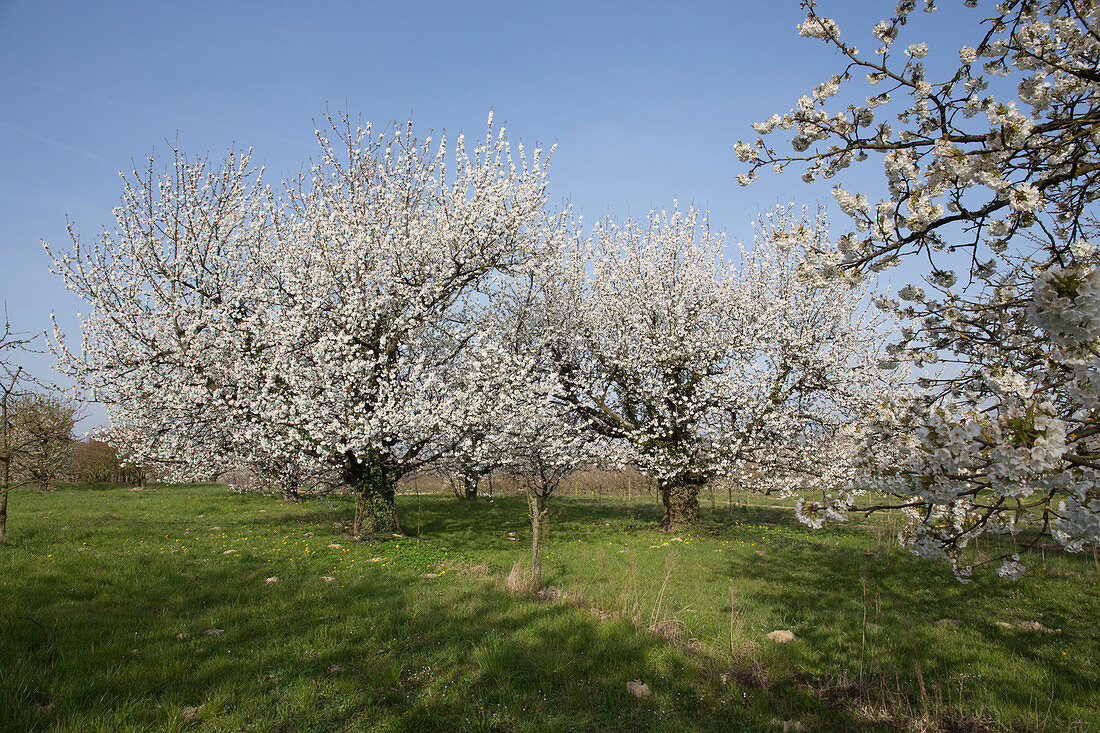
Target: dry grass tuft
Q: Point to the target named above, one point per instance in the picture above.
(670, 629)
(519, 579)
(748, 674)
(479, 571)
(549, 593)
(895, 710)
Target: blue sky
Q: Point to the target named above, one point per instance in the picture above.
(645, 100)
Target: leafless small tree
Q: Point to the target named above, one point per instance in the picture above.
(42, 427)
(13, 382)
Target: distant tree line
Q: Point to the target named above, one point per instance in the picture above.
(96, 462)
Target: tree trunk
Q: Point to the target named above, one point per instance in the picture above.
(288, 489)
(4, 504)
(373, 481)
(538, 506)
(5, 477)
(680, 497)
(468, 485)
(374, 514)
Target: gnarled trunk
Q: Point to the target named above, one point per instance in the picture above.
(373, 481)
(463, 484)
(374, 514)
(680, 497)
(470, 479)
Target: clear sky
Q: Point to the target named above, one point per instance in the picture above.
(644, 99)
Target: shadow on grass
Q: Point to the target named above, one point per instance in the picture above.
(446, 515)
(96, 648)
(381, 648)
(407, 656)
(923, 627)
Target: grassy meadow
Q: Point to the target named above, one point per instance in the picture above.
(193, 608)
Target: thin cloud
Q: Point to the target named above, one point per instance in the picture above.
(173, 116)
(60, 143)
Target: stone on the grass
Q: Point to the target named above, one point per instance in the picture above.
(1003, 624)
(191, 713)
(639, 689)
(308, 534)
(327, 578)
(760, 553)
(782, 636)
(272, 580)
(183, 635)
(214, 632)
(950, 622)
(215, 529)
(335, 546)
(377, 559)
(230, 552)
(429, 575)
(1033, 626)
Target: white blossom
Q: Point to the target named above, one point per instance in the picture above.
(917, 50)
(998, 196)
(818, 27)
(325, 326)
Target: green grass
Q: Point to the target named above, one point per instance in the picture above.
(95, 587)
